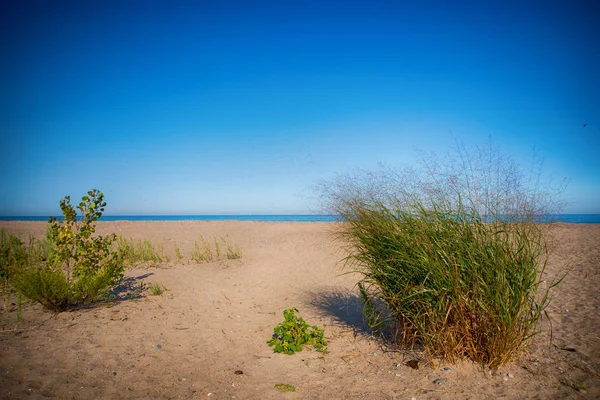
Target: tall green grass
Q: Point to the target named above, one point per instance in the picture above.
(451, 258)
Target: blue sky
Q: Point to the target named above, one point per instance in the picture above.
(219, 107)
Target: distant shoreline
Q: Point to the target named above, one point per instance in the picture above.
(564, 218)
(259, 218)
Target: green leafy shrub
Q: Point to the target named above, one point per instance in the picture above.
(451, 254)
(80, 265)
(293, 333)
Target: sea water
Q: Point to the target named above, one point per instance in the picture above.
(566, 218)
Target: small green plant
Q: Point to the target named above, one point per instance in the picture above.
(217, 248)
(197, 254)
(284, 387)
(232, 251)
(202, 255)
(178, 254)
(156, 288)
(294, 332)
(80, 266)
(208, 253)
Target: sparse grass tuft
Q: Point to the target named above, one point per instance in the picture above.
(217, 248)
(140, 252)
(156, 289)
(232, 251)
(178, 254)
(204, 252)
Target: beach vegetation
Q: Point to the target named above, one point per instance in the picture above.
(178, 254)
(73, 265)
(204, 252)
(285, 387)
(140, 251)
(451, 253)
(156, 289)
(15, 255)
(217, 248)
(12, 253)
(291, 335)
(232, 251)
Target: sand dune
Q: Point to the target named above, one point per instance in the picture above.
(216, 317)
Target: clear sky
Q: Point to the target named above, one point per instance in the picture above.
(219, 107)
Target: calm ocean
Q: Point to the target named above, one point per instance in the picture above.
(567, 218)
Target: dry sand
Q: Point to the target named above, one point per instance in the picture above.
(216, 318)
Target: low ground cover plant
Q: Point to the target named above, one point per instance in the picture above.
(72, 266)
(451, 254)
(285, 387)
(291, 335)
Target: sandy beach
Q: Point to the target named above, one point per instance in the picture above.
(205, 337)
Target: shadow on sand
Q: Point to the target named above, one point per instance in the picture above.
(344, 306)
(346, 309)
(130, 288)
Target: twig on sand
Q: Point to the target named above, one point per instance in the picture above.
(14, 330)
(224, 295)
(584, 369)
(344, 356)
(433, 390)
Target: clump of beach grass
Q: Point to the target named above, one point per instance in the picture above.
(178, 254)
(140, 252)
(223, 246)
(451, 254)
(203, 253)
(232, 251)
(156, 289)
